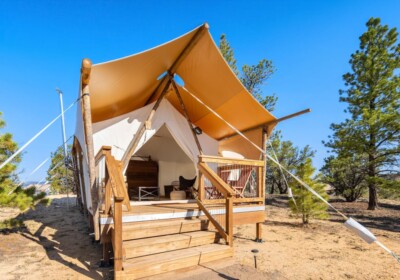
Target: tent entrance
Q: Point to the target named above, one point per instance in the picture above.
(156, 165)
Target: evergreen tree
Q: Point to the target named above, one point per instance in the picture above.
(372, 95)
(61, 179)
(346, 174)
(253, 77)
(290, 157)
(12, 194)
(307, 205)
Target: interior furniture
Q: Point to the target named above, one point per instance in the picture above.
(178, 195)
(167, 190)
(148, 193)
(187, 186)
(142, 173)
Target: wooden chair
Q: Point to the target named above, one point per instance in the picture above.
(238, 181)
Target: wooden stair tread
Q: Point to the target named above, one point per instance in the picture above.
(168, 238)
(155, 245)
(171, 256)
(161, 228)
(159, 223)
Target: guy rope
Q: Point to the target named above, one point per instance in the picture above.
(350, 223)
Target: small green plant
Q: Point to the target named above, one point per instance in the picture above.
(308, 206)
(11, 224)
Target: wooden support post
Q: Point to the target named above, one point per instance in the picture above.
(262, 173)
(229, 219)
(87, 123)
(185, 113)
(259, 232)
(201, 189)
(117, 236)
(135, 141)
(107, 197)
(263, 158)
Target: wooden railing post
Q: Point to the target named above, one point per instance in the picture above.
(117, 235)
(229, 219)
(201, 187)
(260, 185)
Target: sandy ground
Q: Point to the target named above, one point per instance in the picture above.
(56, 245)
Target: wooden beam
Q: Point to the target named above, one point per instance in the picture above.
(87, 123)
(236, 200)
(205, 158)
(294, 115)
(135, 141)
(185, 113)
(192, 43)
(265, 125)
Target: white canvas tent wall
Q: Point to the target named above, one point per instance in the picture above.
(125, 85)
(119, 131)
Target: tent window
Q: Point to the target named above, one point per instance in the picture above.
(162, 75)
(179, 80)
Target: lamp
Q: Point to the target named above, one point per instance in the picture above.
(198, 130)
(255, 253)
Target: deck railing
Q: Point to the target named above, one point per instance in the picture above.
(243, 176)
(227, 194)
(112, 195)
(222, 183)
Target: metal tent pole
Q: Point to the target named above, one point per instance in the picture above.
(60, 94)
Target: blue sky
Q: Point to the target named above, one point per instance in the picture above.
(42, 44)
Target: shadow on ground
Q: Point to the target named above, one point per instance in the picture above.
(386, 217)
(70, 243)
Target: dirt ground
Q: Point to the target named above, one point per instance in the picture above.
(56, 245)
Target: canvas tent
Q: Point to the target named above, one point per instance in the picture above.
(169, 141)
(123, 93)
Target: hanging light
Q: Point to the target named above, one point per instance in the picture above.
(198, 130)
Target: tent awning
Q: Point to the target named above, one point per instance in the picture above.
(123, 85)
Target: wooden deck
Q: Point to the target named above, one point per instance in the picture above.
(243, 213)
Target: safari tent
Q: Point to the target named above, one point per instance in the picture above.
(167, 148)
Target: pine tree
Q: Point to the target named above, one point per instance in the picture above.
(61, 179)
(307, 205)
(12, 194)
(346, 175)
(253, 77)
(372, 95)
(290, 157)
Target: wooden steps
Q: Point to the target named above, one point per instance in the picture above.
(156, 247)
(145, 266)
(161, 227)
(148, 246)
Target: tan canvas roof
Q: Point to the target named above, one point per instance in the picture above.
(126, 84)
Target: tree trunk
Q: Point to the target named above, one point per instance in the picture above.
(373, 197)
(272, 188)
